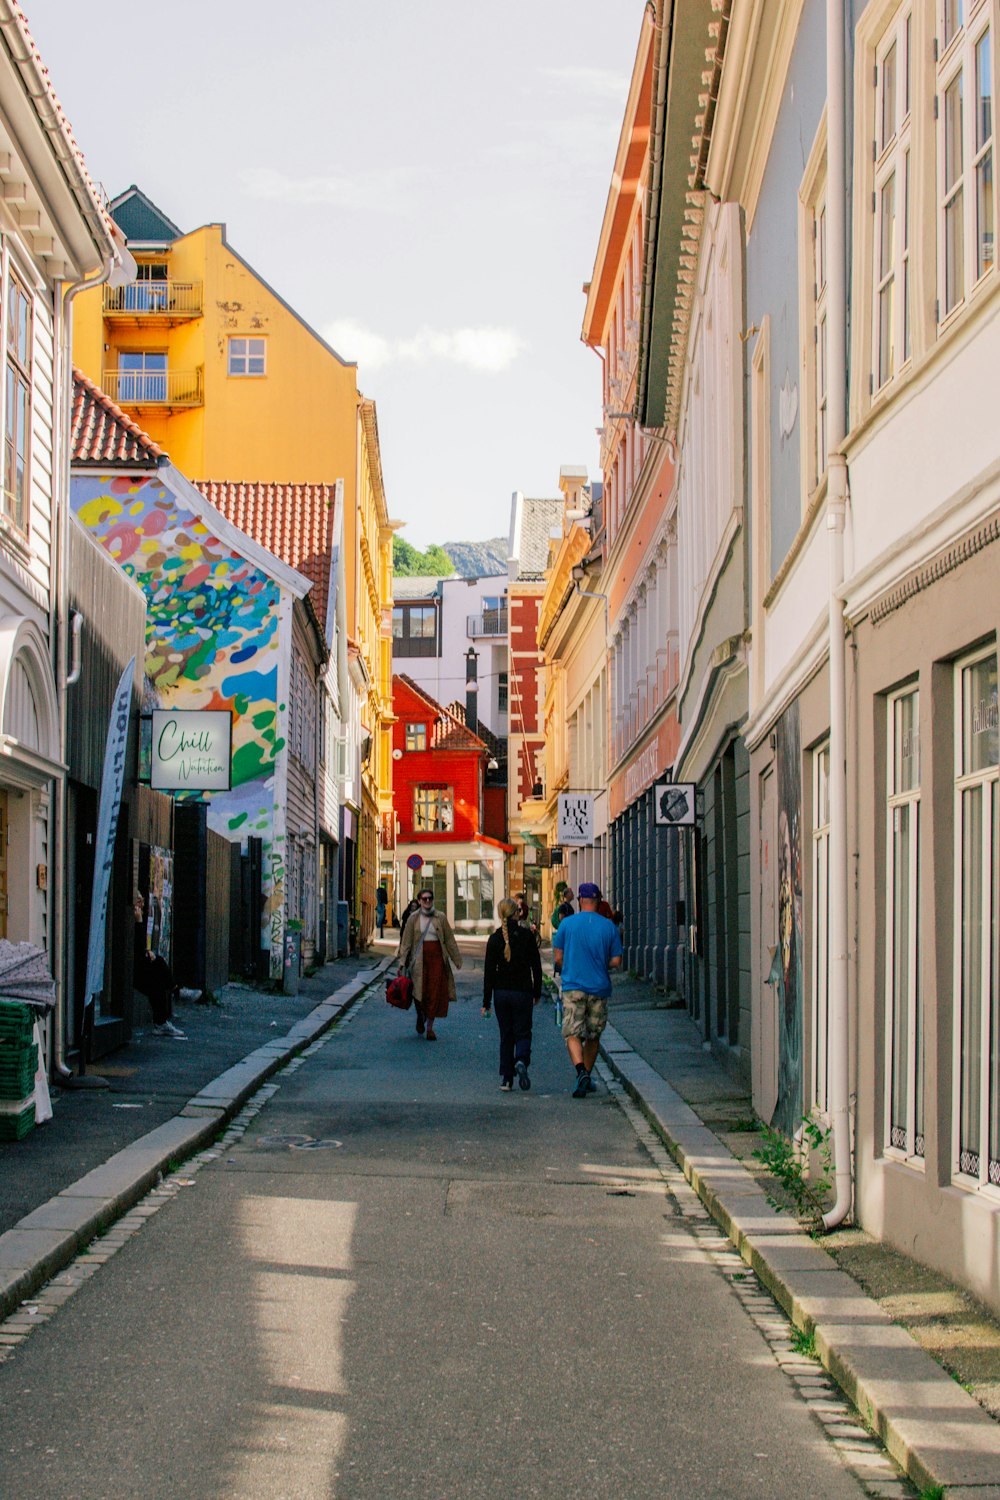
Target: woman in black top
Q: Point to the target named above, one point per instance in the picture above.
(512, 980)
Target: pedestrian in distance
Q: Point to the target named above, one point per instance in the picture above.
(408, 910)
(381, 901)
(428, 952)
(585, 951)
(512, 981)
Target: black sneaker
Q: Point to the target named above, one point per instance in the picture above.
(582, 1082)
(521, 1069)
(591, 1085)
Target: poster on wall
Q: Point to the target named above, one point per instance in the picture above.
(159, 921)
(786, 973)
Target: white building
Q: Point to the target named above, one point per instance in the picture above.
(54, 236)
(436, 622)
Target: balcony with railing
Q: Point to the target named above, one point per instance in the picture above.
(157, 389)
(493, 622)
(162, 302)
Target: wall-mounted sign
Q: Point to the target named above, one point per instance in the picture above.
(191, 750)
(415, 862)
(576, 818)
(674, 804)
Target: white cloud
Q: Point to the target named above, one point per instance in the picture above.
(487, 348)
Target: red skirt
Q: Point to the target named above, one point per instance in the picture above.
(433, 980)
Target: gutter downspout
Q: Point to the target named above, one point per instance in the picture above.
(836, 511)
(59, 631)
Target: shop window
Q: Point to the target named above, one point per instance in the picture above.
(904, 1008)
(977, 828)
(473, 890)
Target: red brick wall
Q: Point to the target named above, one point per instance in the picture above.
(462, 770)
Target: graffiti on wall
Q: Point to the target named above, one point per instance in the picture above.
(787, 974)
(212, 638)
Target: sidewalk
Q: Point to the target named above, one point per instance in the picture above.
(104, 1148)
(932, 1427)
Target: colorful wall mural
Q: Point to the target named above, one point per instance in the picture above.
(214, 626)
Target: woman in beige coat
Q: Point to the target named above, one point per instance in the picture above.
(427, 950)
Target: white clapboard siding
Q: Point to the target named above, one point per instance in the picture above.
(41, 456)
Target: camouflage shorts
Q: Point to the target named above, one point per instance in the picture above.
(584, 1016)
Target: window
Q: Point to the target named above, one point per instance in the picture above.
(433, 876)
(821, 927)
(433, 809)
(247, 356)
(17, 410)
(414, 630)
(965, 150)
(473, 890)
(891, 202)
(502, 692)
(977, 830)
(904, 1010)
(416, 736)
(142, 376)
(819, 240)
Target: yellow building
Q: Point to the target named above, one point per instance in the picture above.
(233, 383)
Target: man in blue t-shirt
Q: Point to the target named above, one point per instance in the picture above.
(585, 949)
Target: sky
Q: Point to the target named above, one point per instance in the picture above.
(423, 180)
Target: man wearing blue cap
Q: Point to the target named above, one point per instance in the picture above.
(585, 950)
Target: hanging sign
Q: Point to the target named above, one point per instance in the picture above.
(191, 750)
(576, 818)
(674, 804)
(112, 781)
(415, 862)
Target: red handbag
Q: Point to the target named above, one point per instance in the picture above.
(399, 991)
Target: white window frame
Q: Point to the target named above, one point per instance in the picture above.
(239, 360)
(821, 927)
(957, 60)
(416, 735)
(973, 1169)
(906, 1142)
(891, 272)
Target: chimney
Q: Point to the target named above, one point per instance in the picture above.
(472, 690)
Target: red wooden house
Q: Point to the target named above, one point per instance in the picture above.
(438, 795)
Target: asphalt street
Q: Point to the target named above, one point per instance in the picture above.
(402, 1284)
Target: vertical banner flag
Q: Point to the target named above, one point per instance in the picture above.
(576, 818)
(112, 781)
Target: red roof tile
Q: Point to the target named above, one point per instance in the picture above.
(294, 521)
(103, 434)
(449, 732)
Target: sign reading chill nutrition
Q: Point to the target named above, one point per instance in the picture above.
(191, 750)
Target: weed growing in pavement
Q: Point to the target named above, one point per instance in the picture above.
(936, 1492)
(803, 1343)
(748, 1125)
(789, 1162)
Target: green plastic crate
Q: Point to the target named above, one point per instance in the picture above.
(17, 1072)
(15, 1127)
(16, 1021)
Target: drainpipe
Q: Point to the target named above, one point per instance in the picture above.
(836, 511)
(59, 632)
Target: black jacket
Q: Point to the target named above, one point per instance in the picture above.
(523, 973)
